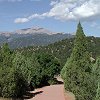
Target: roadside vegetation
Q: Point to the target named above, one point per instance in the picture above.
(25, 69)
(20, 73)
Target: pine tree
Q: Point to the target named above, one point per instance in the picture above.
(6, 54)
(22, 68)
(96, 71)
(7, 83)
(77, 72)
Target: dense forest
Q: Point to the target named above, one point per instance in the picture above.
(21, 73)
(63, 48)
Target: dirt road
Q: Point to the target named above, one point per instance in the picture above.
(52, 92)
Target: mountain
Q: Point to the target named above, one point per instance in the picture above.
(62, 49)
(34, 31)
(34, 36)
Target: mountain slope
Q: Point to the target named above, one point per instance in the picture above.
(63, 48)
(34, 36)
(36, 40)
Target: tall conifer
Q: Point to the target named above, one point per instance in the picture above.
(77, 72)
(96, 71)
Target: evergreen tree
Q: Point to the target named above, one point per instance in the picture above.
(77, 72)
(96, 71)
(7, 83)
(22, 68)
(46, 66)
(6, 54)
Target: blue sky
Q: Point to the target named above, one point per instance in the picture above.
(55, 15)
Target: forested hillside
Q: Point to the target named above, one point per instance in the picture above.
(63, 49)
(34, 36)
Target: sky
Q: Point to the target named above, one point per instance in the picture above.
(54, 15)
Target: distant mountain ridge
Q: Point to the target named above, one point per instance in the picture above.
(34, 36)
(35, 30)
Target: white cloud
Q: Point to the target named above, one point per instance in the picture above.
(71, 10)
(21, 20)
(53, 3)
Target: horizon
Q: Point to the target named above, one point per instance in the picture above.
(54, 15)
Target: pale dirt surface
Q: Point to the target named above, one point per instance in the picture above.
(53, 92)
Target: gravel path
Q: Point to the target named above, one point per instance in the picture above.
(53, 92)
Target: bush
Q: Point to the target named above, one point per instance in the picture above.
(47, 67)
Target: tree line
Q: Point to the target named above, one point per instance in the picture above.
(21, 73)
(63, 49)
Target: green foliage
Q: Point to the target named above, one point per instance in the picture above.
(7, 84)
(19, 72)
(47, 67)
(77, 72)
(14, 73)
(98, 92)
(22, 67)
(96, 71)
(5, 56)
(52, 81)
(63, 49)
(50, 64)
